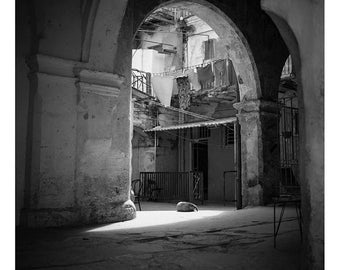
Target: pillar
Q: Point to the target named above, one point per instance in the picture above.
(259, 150)
(81, 149)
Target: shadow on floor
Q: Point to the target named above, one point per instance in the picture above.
(215, 237)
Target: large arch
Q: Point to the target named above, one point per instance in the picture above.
(235, 43)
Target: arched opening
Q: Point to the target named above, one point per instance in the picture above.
(190, 64)
(236, 46)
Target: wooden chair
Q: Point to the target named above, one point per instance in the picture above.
(137, 187)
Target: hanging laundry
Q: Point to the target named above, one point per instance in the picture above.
(193, 78)
(174, 87)
(231, 73)
(221, 73)
(163, 86)
(183, 86)
(205, 76)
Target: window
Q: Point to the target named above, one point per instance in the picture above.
(229, 134)
(209, 49)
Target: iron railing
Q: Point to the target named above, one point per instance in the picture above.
(141, 81)
(170, 186)
(289, 146)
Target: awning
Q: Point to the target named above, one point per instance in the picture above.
(210, 123)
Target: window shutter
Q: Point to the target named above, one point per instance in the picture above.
(229, 134)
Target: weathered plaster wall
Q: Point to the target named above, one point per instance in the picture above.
(302, 25)
(59, 28)
(105, 35)
(143, 153)
(143, 160)
(167, 152)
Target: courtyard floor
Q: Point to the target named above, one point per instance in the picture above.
(215, 237)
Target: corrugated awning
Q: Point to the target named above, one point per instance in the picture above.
(210, 123)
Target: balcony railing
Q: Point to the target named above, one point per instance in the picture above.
(141, 81)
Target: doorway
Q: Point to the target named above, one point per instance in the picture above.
(200, 162)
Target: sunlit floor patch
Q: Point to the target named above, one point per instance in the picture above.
(157, 218)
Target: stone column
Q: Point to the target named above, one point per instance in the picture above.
(103, 148)
(259, 150)
(81, 142)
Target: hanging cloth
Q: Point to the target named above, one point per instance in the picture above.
(162, 86)
(231, 73)
(183, 86)
(174, 87)
(193, 78)
(221, 73)
(205, 76)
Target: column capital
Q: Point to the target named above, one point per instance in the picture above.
(100, 83)
(87, 80)
(54, 66)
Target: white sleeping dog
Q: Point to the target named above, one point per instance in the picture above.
(186, 207)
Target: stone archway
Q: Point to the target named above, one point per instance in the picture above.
(87, 96)
(236, 45)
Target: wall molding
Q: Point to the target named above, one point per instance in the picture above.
(100, 78)
(87, 80)
(51, 65)
(96, 89)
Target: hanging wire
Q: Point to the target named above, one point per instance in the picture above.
(166, 73)
(192, 140)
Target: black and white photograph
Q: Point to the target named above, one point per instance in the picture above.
(168, 135)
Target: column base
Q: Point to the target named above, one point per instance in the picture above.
(254, 196)
(76, 216)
